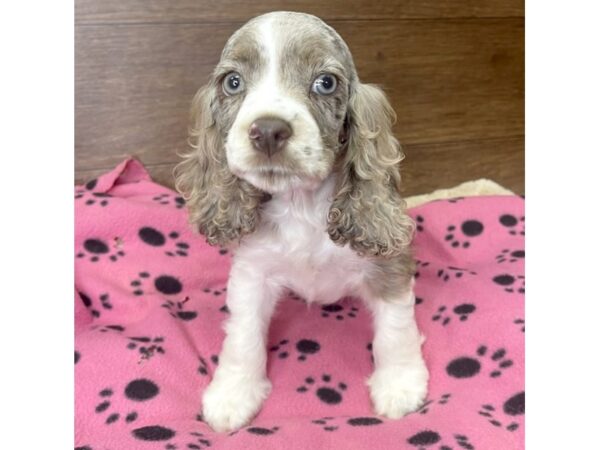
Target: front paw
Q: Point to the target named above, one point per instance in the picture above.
(231, 401)
(397, 391)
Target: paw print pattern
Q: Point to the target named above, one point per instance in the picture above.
(520, 323)
(96, 249)
(137, 390)
(467, 367)
(165, 284)
(176, 310)
(147, 346)
(420, 220)
(155, 238)
(153, 433)
(424, 409)
(511, 283)
(92, 198)
(514, 406)
(325, 423)
(168, 199)
(325, 393)
(198, 441)
(338, 311)
(427, 438)
(514, 225)
(262, 431)
(215, 292)
(108, 328)
(104, 303)
(419, 265)
(203, 368)
(510, 256)
(469, 229)
(304, 347)
(462, 311)
(449, 272)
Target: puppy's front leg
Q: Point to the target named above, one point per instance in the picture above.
(240, 384)
(399, 383)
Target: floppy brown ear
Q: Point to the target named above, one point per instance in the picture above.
(368, 212)
(222, 206)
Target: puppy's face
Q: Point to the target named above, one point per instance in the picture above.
(284, 108)
(282, 89)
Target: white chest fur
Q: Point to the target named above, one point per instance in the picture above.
(292, 248)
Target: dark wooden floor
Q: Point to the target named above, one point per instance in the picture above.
(454, 72)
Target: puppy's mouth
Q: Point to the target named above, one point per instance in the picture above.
(274, 179)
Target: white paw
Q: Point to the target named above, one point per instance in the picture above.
(397, 391)
(231, 401)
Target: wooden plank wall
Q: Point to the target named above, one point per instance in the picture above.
(454, 72)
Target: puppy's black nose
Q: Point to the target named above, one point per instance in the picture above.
(269, 135)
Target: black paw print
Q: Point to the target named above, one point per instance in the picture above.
(176, 310)
(469, 228)
(510, 222)
(511, 283)
(138, 390)
(450, 271)
(514, 406)
(165, 284)
(325, 423)
(462, 311)
(92, 198)
(467, 367)
(336, 310)
(305, 348)
(262, 431)
(107, 328)
(510, 256)
(165, 199)
(424, 409)
(198, 439)
(97, 248)
(203, 368)
(153, 433)
(325, 393)
(215, 292)
(155, 238)
(427, 438)
(520, 323)
(147, 346)
(419, 265)
(419, 220)
(104, 303)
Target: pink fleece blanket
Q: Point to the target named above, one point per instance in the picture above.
(150, 302)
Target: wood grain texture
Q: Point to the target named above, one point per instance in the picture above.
(426, 167)
(449, 80)
(179, 11)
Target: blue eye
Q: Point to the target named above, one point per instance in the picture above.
(233, 83)
(324, 84)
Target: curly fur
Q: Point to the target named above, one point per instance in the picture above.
(339, 171)
(368, 212)
(222, 206)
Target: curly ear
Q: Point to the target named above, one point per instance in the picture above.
(368, 212)
(222, 206)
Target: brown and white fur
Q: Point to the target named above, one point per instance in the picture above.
(323, 217)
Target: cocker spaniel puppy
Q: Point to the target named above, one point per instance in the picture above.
(294, 163)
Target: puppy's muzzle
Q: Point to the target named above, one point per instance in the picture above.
(269, 135)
